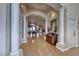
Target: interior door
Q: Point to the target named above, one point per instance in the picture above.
(72, 33)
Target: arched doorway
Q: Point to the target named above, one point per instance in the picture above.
(46, 11)
(36, 25)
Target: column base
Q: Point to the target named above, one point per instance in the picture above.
(17, 53)
(37, 35)
(44, 37)
(24, 41)
(62, 47)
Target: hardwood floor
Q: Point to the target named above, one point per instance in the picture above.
(40, 47)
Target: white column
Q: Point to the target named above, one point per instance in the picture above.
(25, 32)
(61, 44)
(46, 27)
(14, 29)
(37, 31)
(61, 26)
(27, 29)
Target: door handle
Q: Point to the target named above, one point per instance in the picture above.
(74, 33)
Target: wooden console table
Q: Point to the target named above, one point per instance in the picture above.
(51, 38)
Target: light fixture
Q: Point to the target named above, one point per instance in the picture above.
(53, 14)
(22, 6)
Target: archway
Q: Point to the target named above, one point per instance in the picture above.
(36, 22)
(34, 11)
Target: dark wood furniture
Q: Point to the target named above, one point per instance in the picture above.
(51, 38)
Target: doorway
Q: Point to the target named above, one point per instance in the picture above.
(36, 26)
(72, 32)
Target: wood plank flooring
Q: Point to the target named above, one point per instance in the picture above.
(40, 47)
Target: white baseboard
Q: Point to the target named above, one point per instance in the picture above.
(61, 47)
(77, 46)
(21, 52)
(17, 53)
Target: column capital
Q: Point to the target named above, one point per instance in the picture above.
(63, 8)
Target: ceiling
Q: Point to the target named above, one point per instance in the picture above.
(42, 7)
(39, 6)
(36, 19)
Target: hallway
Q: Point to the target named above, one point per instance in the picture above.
(39, 47)
(60, 22)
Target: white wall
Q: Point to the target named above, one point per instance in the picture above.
(8, 29)
(72, 11)
(4, 29)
